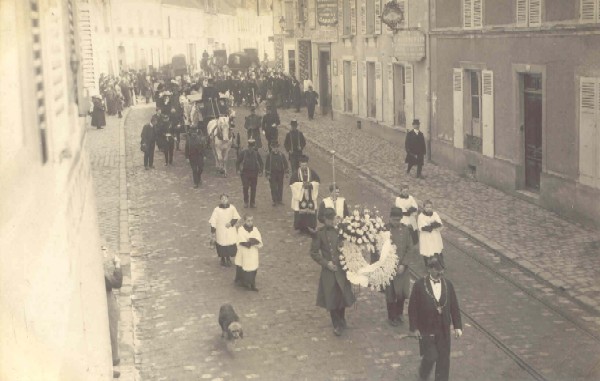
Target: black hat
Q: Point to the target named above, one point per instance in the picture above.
(416, 122)
(333, 186)
(435, 263)
(396, 212)
(252, 108)
(329, 213)
(303, 159)
(294, 123)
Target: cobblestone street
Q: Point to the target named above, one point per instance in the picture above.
(178, 287)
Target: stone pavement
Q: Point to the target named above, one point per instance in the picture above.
(563, 253)
(106, 149)
(178, 287)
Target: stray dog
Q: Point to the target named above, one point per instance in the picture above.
(231, 328)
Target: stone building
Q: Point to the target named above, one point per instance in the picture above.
(516, 97)
(53, 320)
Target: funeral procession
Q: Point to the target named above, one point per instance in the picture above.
(304, 190)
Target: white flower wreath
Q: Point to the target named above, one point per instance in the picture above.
(370, 239)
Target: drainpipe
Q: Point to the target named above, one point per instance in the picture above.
(428, 68)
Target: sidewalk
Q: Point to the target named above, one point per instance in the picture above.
(565, 254)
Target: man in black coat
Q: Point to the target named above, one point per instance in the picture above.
(276, 166)
(433, 306)
(294, 145)
(415, 148)
(268, 120)
(148, 142)
(312, 99)
(250, 165)
(335, 291)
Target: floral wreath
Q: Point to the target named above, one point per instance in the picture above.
(362, 233)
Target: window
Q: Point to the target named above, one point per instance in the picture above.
(473, 125)
(372, 16)
(590, 11)
(289, 16)
(472, 14)
(529, 12)
(589, 131)
(349, 17)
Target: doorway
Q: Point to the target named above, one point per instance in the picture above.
(399, 96)
(371, 104)
(324, 80)
(291, 62)
(532, 128)
(348, 86)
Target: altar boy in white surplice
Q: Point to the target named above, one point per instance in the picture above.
(335, 202)
(246, 261)
(304, 184)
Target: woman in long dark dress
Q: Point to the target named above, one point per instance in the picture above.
(98, 112)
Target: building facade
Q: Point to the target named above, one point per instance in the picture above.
(515, 89)
(54, 320)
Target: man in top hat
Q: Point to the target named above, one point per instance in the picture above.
(399, 288)
(250, 165)
(415, 148)
(335, 291)
(269, 125)
(276, 166)
(252, 125)
(335, 202)
(312, 99)
(433, 306)
(304, 184)
(294, 145)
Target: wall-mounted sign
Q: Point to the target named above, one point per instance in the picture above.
(409, 45)
(327, 12)
(393, 15)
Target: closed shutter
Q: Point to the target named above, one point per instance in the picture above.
(487, 116)
(38, 75)
(379, 90)
(377, 16)
(535, 12)
(354, 65)
(409, 102)
(589, 136)
(389, 103)
(363, 75)
(353, 16)
(457, 86)
(363, 17)
(468, 14)
(477, 13)
(589, 10)
(86, 48)
(522, 12)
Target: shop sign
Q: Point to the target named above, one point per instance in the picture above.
(327, 12)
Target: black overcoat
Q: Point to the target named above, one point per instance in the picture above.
(324, 248)
(422, 308)
(415, 148)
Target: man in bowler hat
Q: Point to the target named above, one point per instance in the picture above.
(415, 148)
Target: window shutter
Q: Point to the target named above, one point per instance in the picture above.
(354, 65)
(38, 73)
(458, 108)
(535, 12)
(589, 10)
(353, 16)
(363, 17)
(468, 14)
(477, 13)
(589, 139)
(377, 16)
(487, 116)
(389, 104)
(86, 47)
(409, 102)
(522, 12)
(379, 90)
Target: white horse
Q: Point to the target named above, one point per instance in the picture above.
(222, 141)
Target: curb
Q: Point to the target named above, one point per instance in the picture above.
(523, 264)
(127, 366)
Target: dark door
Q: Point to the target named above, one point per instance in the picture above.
(292, 61)
(533, 130)
(324, 92)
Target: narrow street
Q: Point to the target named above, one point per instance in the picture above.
(178, 287)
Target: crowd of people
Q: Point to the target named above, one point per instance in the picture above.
(185, 107)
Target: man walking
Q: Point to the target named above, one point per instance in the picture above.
(335, 292)
(148, 142)
(432, 308)
(335, 202)
(250, 165)
(269, 125)
(415, 148)
(252, 125)
(195, 147)
(276, 166)
(294, 145)
(311, 97)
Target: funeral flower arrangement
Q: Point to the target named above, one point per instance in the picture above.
(364, 233)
